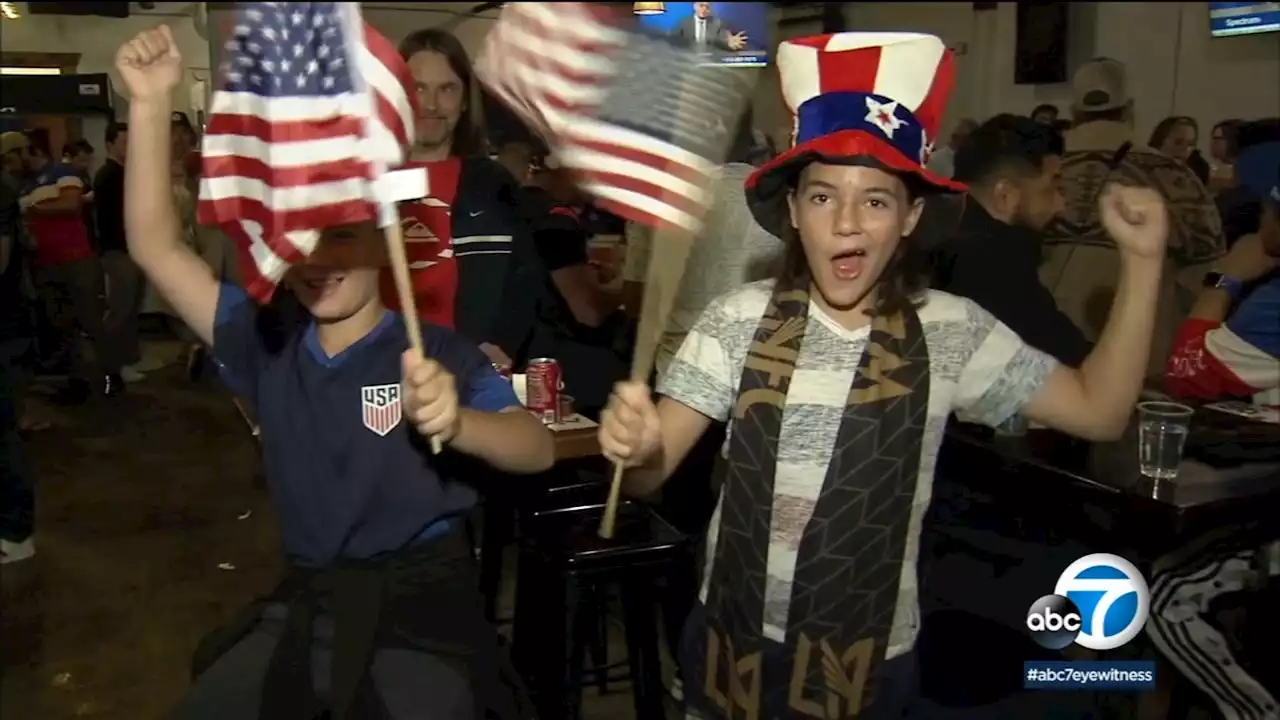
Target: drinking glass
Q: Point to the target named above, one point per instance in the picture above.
(1162, 432)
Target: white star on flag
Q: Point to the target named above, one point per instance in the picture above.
(883, 116)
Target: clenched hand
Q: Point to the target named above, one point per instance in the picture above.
(630, 431)
(150, 64)
(430, 396)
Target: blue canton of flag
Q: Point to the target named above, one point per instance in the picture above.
(289, 50)
(642, 124)
(314, 106)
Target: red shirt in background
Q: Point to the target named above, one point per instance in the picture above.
(192, 165)
(59, 239)
(427, 227)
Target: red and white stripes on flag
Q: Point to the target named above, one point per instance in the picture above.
(313, 107)
(641, 122)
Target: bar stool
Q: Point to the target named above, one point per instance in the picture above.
(562, 565)
(586, 484)
(506, 502)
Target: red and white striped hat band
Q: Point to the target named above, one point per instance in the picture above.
(858, 95)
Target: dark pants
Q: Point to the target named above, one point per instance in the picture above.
(124, 301)
(687, 502)
(72, 294)
(1187, 588)
(17, 499)
(412, 685)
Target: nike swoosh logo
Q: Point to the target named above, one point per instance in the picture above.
(476, 213)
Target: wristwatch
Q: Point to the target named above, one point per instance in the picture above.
(1231, 286)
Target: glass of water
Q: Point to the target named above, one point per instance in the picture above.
(1162, 431)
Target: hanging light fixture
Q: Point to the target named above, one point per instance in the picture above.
(9, 11)
(648, 8)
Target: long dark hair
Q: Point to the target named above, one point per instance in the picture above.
(1230, 134)
(900, 287)
(467, 135)
(1166, 126)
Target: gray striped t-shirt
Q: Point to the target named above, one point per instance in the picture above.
(979, 368)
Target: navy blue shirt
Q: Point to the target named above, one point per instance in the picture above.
(348, 477)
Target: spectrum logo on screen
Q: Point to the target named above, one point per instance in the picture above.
(1101, 602)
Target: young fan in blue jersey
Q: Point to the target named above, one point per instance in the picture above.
(378, 615)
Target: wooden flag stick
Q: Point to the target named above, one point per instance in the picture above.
(668, 255)
(669, 251)
(404, 289)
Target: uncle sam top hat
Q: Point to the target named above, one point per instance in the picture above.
(857, 97)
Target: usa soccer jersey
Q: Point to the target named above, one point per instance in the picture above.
(1240, 357)
(349, 478)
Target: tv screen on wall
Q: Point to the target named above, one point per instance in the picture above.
(1243, 18)
(734, 34)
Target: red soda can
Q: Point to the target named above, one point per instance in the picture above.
(543, 389)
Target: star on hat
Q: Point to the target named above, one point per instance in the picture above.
(883, 115)
(879, 96)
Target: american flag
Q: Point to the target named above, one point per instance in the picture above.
(314, 106)
(643, 123)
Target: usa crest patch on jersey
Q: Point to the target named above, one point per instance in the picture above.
(380, 407)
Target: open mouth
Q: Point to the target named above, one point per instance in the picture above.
(322, 283)
(848, 265)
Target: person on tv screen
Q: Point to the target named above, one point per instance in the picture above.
(706, 31)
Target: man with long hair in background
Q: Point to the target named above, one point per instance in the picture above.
(471, 259)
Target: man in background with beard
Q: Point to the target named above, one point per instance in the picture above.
(471, 261)
(1013, 166)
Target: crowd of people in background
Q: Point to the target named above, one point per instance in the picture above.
(72, 297)
(1027, 244)
(1054, 213)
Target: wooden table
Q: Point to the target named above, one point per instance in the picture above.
(576, 443)
(1051, 476)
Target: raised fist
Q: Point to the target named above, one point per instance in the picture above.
(150, 64)
(1136, 218)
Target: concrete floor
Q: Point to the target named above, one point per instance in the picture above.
(150, 532)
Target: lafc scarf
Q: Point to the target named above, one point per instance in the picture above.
(845, 588)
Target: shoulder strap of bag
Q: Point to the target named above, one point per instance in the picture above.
(1112, 165)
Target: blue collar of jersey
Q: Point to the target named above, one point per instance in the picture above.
(313, 343)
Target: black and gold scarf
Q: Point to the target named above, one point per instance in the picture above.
(845, 588)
